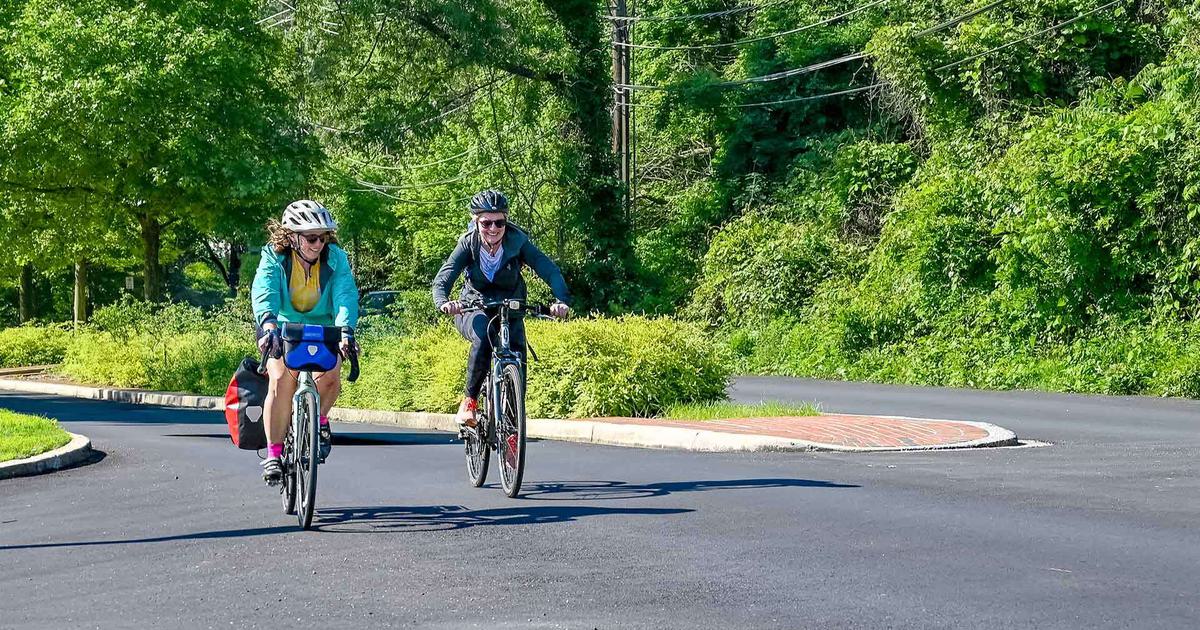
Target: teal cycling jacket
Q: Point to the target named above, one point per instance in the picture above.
(272, 300)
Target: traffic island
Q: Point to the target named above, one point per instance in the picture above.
(823, 432)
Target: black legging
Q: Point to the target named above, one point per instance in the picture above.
(473, 328)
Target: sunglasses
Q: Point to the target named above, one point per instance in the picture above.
(315, 238)
(498, 223)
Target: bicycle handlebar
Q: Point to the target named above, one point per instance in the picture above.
(540, 311)
(354, 371)
(353, 376)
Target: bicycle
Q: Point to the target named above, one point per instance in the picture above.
(307, 348)
(501, 428)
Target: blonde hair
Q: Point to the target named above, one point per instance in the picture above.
(280, 237)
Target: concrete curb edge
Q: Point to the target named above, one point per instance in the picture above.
(74, 452)
(583, 431)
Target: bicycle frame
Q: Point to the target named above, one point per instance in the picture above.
(306, 385)
(503, 354)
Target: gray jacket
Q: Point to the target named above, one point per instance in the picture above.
(508, 283)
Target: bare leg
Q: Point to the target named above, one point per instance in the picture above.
(278, 412)
(329, 386)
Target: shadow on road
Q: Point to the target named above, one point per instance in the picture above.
(382, 519)
(358, 439)
(86, 410)
(225, 533)
(610, 490)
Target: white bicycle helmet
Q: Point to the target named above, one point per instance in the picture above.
(307, 216)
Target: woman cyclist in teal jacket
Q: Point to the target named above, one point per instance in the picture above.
(303, 277)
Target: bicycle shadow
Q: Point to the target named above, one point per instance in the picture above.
(617, 490)
(393, 519)
(395, 438)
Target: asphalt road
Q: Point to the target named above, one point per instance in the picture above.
(172, 527)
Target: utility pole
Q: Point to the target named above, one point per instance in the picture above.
(622, 112)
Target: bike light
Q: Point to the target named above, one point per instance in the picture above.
(514, 304)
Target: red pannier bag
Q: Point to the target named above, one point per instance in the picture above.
(244, 401)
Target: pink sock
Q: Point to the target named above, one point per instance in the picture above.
(275, 450)
(324, 421)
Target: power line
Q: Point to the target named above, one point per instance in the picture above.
(760, 38)
(418, 166)
(443, 182)
(1027, 37)
(268, 19)
(955, 21)
(794, 72)
(441, 202)
(698, 16)
(816, 97)
(943, 67)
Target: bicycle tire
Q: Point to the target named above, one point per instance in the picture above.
(478, 449)
(288, 488)
(510, 430)
(306, 462)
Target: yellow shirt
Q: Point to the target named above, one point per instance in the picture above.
(305, 288)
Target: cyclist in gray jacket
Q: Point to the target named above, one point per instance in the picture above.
(492, 254)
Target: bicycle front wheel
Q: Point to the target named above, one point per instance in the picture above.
(307, 450)
(510, 430)
(476, 441)
(287, 489)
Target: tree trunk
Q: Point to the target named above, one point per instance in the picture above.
(235, 267)
(26, 293)
(80, 302)
(597, 213)
(151, 267)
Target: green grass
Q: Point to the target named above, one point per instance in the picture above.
(724, 410)
(24, 436)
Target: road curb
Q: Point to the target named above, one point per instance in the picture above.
(582, 431)
(78, 450)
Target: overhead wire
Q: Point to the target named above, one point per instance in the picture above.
(794, 72)
(815, 97)
(760, 38)
(1027, 37)
(944, 67)
(697, 16)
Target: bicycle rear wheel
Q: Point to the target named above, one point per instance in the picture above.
(476, 441)
(287, 490)
(307, 451)
(510, 430)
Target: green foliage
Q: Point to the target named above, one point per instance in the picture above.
(136, 116)
(597, 367)
(23, 435)
(33, 345)
(758, 268)
(1156, 358)
(626, 366)
(422, 372)
(177, 348)
(726, 411)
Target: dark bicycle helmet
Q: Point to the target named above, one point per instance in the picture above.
(489, 201)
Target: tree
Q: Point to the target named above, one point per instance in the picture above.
(395, 76)
(163, 112)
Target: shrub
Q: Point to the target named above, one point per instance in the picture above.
(424, 372)
(758, 267)
(173, 348)
(626, 366)
(32, 345)
(622, 366)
